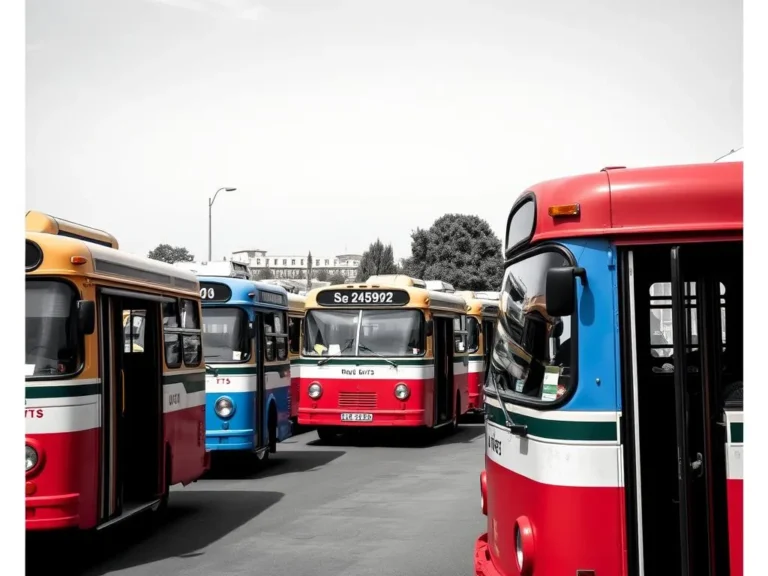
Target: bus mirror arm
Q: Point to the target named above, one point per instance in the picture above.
(86, 316)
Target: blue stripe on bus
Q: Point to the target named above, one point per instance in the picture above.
(598, 344)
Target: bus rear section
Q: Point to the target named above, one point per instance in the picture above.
(247, 381)
(382, 355)
(614, 432)
(296, 305)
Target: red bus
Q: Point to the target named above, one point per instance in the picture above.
(614, 406)
(384, 353)
(115, 379)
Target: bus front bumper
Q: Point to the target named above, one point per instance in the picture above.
(216, 440)
(52, 512)
(386, 418)
(483, 563)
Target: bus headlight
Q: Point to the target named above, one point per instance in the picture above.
(524, 546)
(519, 547)
(402, 392)
(224, 407)
(31, 457)
(315, 390)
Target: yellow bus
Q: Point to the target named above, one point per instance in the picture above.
(387, 352)
(481, 318)
(296, 305)
(109, 425)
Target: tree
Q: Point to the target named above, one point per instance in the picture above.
(378, 259)
(459, 249)
(265, 274)
(322, 275)
(337, 278)
(170, 254)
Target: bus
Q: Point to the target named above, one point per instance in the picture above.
(245, 335)
(609, 450)
(384, 353)
(296, 305)
(225, 268)
(481, 319)
(109, 426)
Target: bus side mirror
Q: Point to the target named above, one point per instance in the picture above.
(558, 330)
(430, 328)
(561, 290)
(86, 316)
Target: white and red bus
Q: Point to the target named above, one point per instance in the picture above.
(482, 311)
(115, 379)
(614, 406)
(384, 353)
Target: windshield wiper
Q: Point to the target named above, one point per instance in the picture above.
(327, 359)
(516, 429)
(365, 348)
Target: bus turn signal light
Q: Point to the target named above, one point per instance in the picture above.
(564, 210)
(78, 260)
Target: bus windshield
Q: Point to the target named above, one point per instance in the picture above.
(390, 333)
(226, 335)
(51, 336)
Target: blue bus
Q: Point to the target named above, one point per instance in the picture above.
(248, 373)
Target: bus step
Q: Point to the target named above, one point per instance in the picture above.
(129, 510)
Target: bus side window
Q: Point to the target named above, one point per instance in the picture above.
(294, 333)
(134, 330)
(281, 336)
(190, 325)
(171, 334)
(269, 338)
(459, 334)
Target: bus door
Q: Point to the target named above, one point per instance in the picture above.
(677, 438)
(263, 345)
(132, 430)
(443, 353)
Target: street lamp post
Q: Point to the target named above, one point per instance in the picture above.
(210, 206)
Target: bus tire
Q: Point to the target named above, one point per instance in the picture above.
(326, 434)
(272, 428)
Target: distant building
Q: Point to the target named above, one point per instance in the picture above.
(294, 266)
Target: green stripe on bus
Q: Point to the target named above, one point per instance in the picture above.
(192, 382)
(476, 357)
(557, 429)
(247, 370)
(365, 360)
(737, 432)
(71, 391)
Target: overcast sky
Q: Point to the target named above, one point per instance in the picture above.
(340, 121)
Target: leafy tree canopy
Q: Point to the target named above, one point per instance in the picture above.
(264, 274)
(337, 278)
(170, 254)
(322, 275)
(378, 259)
(460, 249)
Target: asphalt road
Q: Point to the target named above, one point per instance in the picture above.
(368, 506)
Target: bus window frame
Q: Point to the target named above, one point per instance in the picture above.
(192, 332)
(275, 336)
(479, 327)
(509, 251)
(298, 322)
(248, 333)
(175, 331)
(462, 332)
(529, 401)
(80, 340)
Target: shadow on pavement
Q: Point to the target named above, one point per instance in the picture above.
(403, 437)
(279, 463)
(195, 519)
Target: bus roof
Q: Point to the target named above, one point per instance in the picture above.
(666, 200)
(247, 293)
(417, 297)
(53, 254)
(296, 302)
(222, 268)
(479, 306)
(400, 280)
(38, 222)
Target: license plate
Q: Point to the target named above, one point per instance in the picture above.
(346, 417)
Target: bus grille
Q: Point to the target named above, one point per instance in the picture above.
(357, 400)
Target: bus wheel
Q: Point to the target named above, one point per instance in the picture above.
(326, 433)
